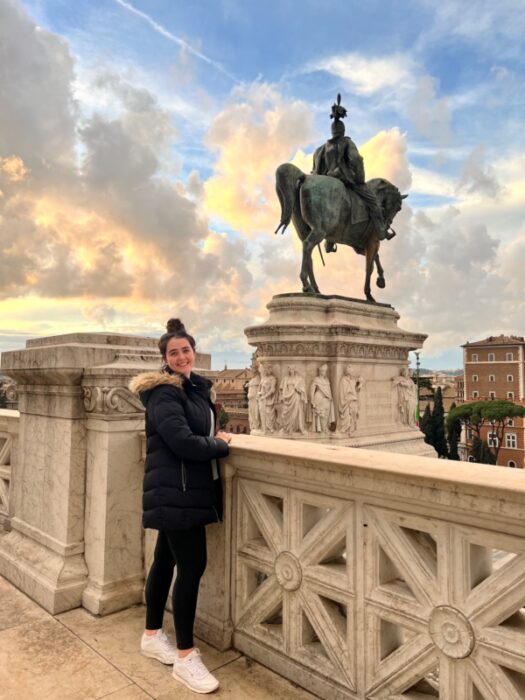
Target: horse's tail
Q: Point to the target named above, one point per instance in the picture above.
(288, 179)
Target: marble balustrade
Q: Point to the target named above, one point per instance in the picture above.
(9, 421)
(361, 575)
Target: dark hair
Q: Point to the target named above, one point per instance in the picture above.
(174, 329)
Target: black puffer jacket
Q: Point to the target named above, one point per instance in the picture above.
(179, 489)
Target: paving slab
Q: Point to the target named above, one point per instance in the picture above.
(130, 692)
(17, 608)
(117, 638)
(244, 679)
(45, 661)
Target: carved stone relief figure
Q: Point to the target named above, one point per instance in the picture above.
(350, 387)
(406, 397)
(321, 400)
(266, 398)
(253, 405)
(292, 394)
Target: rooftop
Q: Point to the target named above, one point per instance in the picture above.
(497, 340)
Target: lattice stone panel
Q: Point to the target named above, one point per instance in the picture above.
(444, 611)
(5, 473)
(433, 609)
(296, 590)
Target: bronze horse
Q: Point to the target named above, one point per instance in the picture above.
(321, 207)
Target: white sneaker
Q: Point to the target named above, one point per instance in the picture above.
(193, 673)
(158, 646)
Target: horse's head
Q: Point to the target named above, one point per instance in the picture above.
(389, 197)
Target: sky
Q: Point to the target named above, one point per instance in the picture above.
(139, 142)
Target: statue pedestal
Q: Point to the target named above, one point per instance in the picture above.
(352, 338)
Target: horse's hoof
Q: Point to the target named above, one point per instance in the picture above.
(381, 282)
(370, 298)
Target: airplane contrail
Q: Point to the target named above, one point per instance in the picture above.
(175, 39)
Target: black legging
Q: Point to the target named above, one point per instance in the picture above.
(187, 550)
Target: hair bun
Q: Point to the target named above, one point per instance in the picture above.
(175, 325)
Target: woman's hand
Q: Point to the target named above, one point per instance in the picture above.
(224, 436)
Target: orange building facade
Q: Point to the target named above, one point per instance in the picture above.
(495, 369)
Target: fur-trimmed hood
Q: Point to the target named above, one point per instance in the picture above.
(149, 380)
(143, 383)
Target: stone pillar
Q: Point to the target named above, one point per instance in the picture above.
(214, 618)
(65, 457)
(114, 472)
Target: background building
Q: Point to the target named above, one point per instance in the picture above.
(230, 391)
(494, 369)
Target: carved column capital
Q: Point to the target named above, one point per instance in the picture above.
(110, 400)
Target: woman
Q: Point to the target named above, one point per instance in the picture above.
(182, 494)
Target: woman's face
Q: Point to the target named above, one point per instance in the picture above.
(180, 356)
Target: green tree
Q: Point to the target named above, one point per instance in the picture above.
(481, 452)
(425, 382)
(223, 418)
(453, 436)
(425, 423)
(437, 425)
(494, 415)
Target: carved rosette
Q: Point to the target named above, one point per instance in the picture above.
(288, 571)
(451, 632)
(11, 392)
(111, 400)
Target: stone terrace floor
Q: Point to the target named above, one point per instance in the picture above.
(78, 656)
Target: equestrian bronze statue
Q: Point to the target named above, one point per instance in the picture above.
(335, 204)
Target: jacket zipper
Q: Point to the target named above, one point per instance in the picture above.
(183, 476)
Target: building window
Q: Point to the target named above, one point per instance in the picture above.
(510, 441)
(509, 357)
(510, 395)
(492, 394)
(492, 377)
(492, 357)
(474, 377)
(474, 357)
(511, 463)
(475, 394)
(492, 440)
(510, 423)
(469, 434)
(510, 378)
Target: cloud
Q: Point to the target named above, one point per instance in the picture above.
(252, 135)
(13, 168)
(395, 81)
(477, 177)
(173, 38)
(429, 114)
(385, 155)
(101, 314)
(96, 214)
(38, 117)
(367, 75)
(483, 20)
